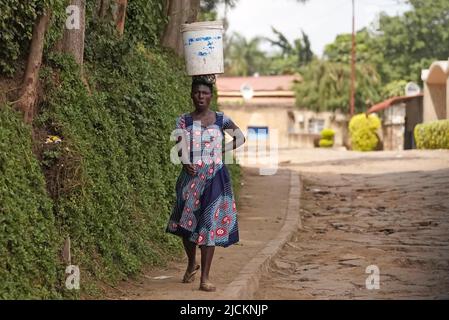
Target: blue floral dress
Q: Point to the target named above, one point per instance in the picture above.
(205, 210)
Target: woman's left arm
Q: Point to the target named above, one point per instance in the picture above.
(238, 138)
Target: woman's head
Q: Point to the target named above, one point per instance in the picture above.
(202, 91)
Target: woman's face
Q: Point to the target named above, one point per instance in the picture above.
(201, 96)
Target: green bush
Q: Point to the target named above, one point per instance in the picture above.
(362, 129)
(29, 240)
(434, 135)
(328, 134)
(327, 138)
(324, 143)
(110, 182)
(16, 28)
(117, 211)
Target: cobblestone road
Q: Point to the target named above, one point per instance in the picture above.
(397, 221)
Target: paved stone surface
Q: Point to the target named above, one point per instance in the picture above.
(262, 214)
(396, 217)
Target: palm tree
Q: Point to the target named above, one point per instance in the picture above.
(243, 57)
(326, 86)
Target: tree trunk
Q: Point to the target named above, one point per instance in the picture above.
(102, 8)
(73, 39)
(179, 12)
(28, 93)
(120, 16)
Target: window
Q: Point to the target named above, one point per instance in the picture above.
(316, 125)
(257, 133)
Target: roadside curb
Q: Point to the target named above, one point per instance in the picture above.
(246, 283)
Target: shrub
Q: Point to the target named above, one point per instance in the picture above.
(328, 134)
(29, 241)
(362, 129)
(327, 138)
(324, 143)
(434, 135)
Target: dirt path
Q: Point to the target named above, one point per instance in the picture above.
(385, 209)
(262, 209)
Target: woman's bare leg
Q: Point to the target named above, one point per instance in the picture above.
(207, 254)
(190, 249)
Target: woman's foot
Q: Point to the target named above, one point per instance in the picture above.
(207, 286)
(189, 275)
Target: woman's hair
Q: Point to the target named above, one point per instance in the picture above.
(206, 80)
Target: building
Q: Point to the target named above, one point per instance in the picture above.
(400, 115)
(262, 106)
(436, 91)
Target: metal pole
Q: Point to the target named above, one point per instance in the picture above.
(353, 75)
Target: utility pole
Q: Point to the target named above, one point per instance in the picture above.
(353, 76)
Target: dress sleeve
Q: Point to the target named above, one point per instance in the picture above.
(228, 123)
(180, 122)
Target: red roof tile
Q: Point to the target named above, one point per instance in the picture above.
(390, 102)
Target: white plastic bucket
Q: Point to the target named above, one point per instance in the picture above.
(203, 47)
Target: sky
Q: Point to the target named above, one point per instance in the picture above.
(321, 20)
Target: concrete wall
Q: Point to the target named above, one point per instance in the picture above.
(284, 118)
(447, 98)
(435, 99)
(398, 124)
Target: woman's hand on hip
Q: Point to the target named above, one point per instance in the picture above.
(190, 169)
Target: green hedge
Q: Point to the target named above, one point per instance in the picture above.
(116, 213)
(110, 181)
(434, 135)
(29, 264)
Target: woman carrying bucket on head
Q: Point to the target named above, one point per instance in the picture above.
(205, 213)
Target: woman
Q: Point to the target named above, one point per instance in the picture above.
(205, 212)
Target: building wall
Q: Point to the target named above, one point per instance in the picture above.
(393, 137)
(291, 124)
(447, 98)
(394, 127)
(435, 102)
(398, 124)
(275, 118)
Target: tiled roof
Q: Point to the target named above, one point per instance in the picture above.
(390, 102)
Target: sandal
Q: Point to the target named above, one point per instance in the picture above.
(190, 276)
(207, 286)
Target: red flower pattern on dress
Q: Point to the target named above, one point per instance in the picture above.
(203, 177)
(217, 213)
(190, 223)
(212, 235)
(200, 239)
(221, 232)
(226, 220)
(192, 185)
